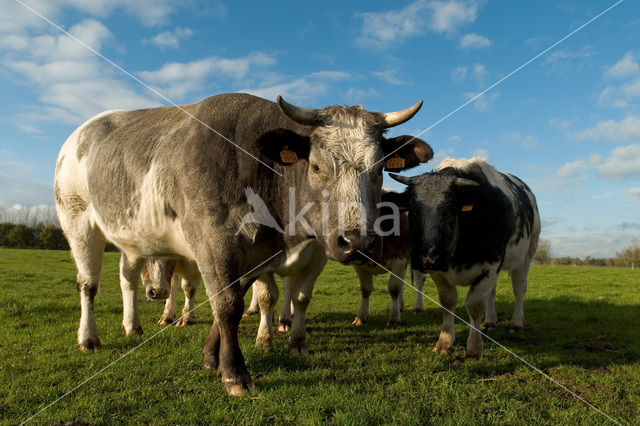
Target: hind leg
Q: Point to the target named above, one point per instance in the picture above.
(266, 290)
(418, 281)
(190, 284)
(395, 285)
(285, 318)
(490, 315)
(253, 308)
(366, 287)
(87, 247)
(169, 313)
(519, 285)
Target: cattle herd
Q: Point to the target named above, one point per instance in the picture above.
(234, 189)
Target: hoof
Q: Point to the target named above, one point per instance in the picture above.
(265, 344)
(239, 389)
(473, 355)
(284, 328)
(210, 364)
(249, 312)
(418, 310)
(133, 331)
(358, 322)
(515, 328)
(488, 326)
(443, 347)
(91, 344)
(299, 348)
(165, 321)
(185, 321)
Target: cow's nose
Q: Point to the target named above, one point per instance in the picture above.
(151, 293)
(351, 243)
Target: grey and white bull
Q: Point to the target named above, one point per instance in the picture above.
(469, 222)
(170, 182)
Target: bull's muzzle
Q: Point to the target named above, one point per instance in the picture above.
(354, 248)
(155, 293)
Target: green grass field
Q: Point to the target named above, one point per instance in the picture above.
(582, 329)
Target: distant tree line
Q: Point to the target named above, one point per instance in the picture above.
(30, 216)
(40, 236)
(628, 257)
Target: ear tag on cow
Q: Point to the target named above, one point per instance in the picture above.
(396, 162)
(287, 156)
(467, 207)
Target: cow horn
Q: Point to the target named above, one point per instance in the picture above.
(305, 116)
(396, 118)
(402, 179)
(465, 182)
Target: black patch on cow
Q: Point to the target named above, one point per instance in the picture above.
(477, 280)
(523, 208)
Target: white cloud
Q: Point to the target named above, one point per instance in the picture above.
(21, 189)
(572, 169)
(623, 162)
(448, 16)
(301, 89)
(177, 79)
(625, 67)
(594, 244)
(380, 29)
(390, 76)
(355, 95)
(527, 142)
(481, 153)
(440, 155)
(627, 129)
(168, 39)
(476, 71)
(558, 60)
(633, 193)
(484, 102)
(454, 138)
(474, 41)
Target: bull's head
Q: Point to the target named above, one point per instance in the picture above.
(344, 156)
(156, 277)
(442, 207)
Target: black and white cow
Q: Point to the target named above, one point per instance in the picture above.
(469, 222)
(172, 182)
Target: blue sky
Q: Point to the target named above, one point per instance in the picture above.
(568, 123)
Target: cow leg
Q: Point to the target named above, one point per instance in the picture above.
(285, 318)
(490, 314)
(169, 313)
(87, 247)
(519, 285)
(130, 267)
(266, 291)
(366, 287)
(395, 286)
(418, 281)
(300, 299)
(221, 349)
(448, 295)
(190, 284)
(475, 303)
(253, 306)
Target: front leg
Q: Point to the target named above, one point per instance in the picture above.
(266, 290)
(490, 314)
(190, 283)
(286, 310)
(130, 267)
(169, 313)
(418, 281)
(448, 294)
(366, 288)
(395, 286)
(475, 303)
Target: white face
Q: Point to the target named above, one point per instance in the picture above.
(156, 277)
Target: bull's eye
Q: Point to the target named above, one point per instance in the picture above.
(315, 168)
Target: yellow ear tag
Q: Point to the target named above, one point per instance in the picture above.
(467, 207)
(396, 162)
(287, 156)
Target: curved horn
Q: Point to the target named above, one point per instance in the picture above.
(402, 179)
(465, 182)
(391, 119)
(305, 116)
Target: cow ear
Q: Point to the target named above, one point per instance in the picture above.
(405, 152)
(400, 199)
(284, 146)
